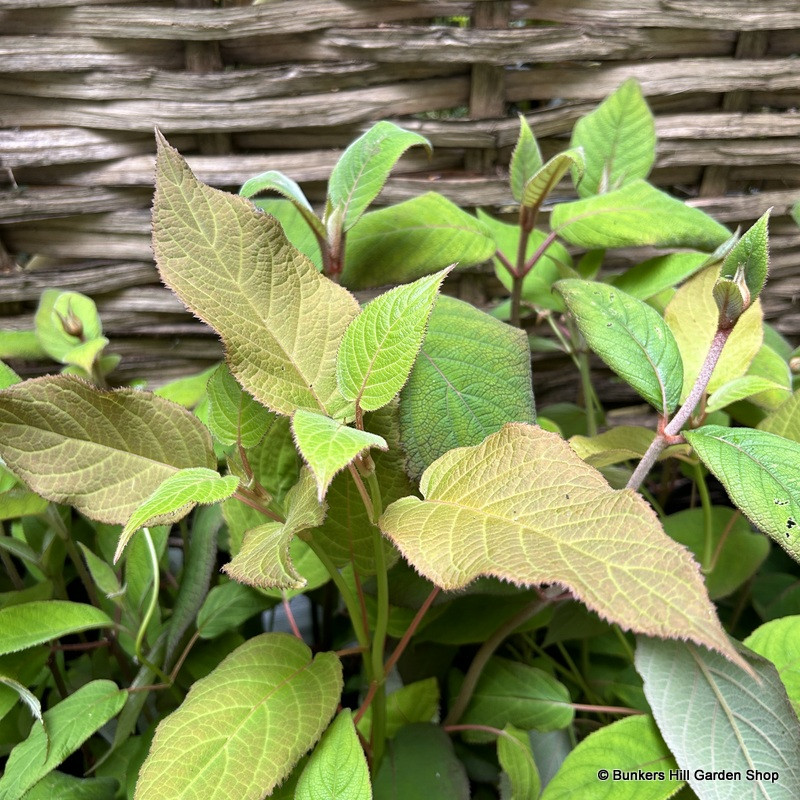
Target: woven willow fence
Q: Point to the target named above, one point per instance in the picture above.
(288, 84)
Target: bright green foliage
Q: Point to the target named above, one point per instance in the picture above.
(233, 415)
(748, 261)
(295, 227)
(103, 574)
(420, 762)
(631, 337)
(22, 667)
(281, 320)
(329, 446)
(692, 316)
(516, 759)
(227, 606)
(523, 507)
(7, 376)
(779, 641)
(30, 624)
(739, 389)
(135, 441)
(68, 724)
(188, 391)
(472, 375)
(713, 716)
(242, 728)
(264, 558)
(636, 215)
(657, 274)
(759, 471)
(274, 181)
(380, 345)
(364, 167)
(772, 366)
(24, 694)
(546, 179)
(525, 160)
(527, 697)
(630, 744)
(619, 138)
(623, 443)
(415, 702)
(19, 502)
(178, 494)
(66, 787)
(785, 420)
(337, 769)
(414, 238)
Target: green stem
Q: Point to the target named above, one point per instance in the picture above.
(626, 645)
(708, 519)
(151, 607)
(74, 556)
(587, 390)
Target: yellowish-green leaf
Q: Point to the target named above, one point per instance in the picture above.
(102, 452)
(337, 769)
(785, 420)
(523, 507)
(188, 391)
(264, 558)
(772, 366)
(779, 641)
(416, 702)
(525, 160)
(242, 728)
(66, 322)
(623, 443)
(692, 315)
(7, 376)
(380, 345)
(739, 389)
(233, 415)
(546, 179)
(329, 446)
(178, 495)
(520, 770)
(232, 265)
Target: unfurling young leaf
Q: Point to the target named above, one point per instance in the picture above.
(525, 160)
(536, 190)
(520, 770)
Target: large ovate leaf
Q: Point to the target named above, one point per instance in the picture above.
(692, 315)
(102, 452)
(631, 337)
(32, 623)
(472, 375)
(519, 768)
(656, 274)
(760, 472)
(413, 238)
(68, 725)
(739, 389)
(329, 446)
(536, 190)
(264, 559)
(714, 717)
(227, 606)
(67, 787)
(280, 320)
(785, 420)
(523, 507)
(242, 728)
(628, 745)
(748, 260)
(295, 227)
(337, 769)
(779, 641)
(380, 345)
(636, 215)
(619, 138)
(233, 415)
(178, 494)
(364, 167)
(525, 160)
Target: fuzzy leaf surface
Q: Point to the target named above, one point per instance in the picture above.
(472, 375)
(525, 160)
(631, 337)
(523, 507)
(636, 215)
(328, 446)
(619, 138)
(413, 238)
(102, 452)
(714, 716)
(516, 759)
(233, 414)
(337, 769)
(546, 179)
(280, 320)
(759, 470)
(241, 729)
(779, 641)
(750, 256)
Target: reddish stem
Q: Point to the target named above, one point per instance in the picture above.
(410, 631)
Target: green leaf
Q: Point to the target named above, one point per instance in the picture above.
(619, 138)
(68, 724)
(414, 238)
(233, 415)
(692, 316)
(24, 667)
(135, 442)
(244, 726)
(420, 762)
(30, 624)
(102, 574)
(19, 502)
(364, 167)
(516, 759)
(20, 344)
(527, 697)
(25, 695)
(227, 606)
(7, 376)
(337, 769)
(656, 274)
(748, 261)
(629, 745)
(295, 227)
(759, 472)
(785, 420)
(634, 216)
(416, 702)
(380, 345)
(739, 389)
(264, 558)
(188, 391)
(772, 366)
(537, 189)
(525, 160)
(623, 443)
(274, 181)
(280, 320)
(329, 446)
(715, 717)
(779, 641)
(178, 494)
(630, 337)
(523, 507)
(67, 787)
(472, 376)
